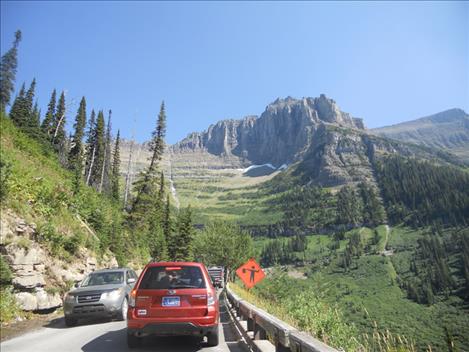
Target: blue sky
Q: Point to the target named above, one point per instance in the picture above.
(384, 62)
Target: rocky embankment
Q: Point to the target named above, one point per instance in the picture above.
(38, 277)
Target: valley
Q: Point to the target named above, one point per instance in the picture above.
(359, 198)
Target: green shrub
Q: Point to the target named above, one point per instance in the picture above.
(9, 309)
(5, 272)
(73, 243)
(5, 172)
(24, 243)
(49, 235)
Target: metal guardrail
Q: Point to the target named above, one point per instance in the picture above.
(265, 333)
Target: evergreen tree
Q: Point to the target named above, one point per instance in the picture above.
(157, 143)
(48, 123)
(180, 246)
(22, 112)
(8, 66)
(116, 169)
(75, 157)
(99, 148)
(90, 150)
(59, 137)
(167, 226)
(29, 119)
(373, 210)
(36, 119)
(348, 207)
(422, 193)
(146, 185)
(161, 191)
(18, 107)
(105, 184)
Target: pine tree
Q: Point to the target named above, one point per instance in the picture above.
(180, 247)
(48, 123)
(22, 112)
(99, 148)
(167, 220)
(29, 118)
(75, 157)
(17, 109)
(156, 239)
(146, 184)
(59, 137)
(116, 169)
(348, 207)
(90, 147)
(105, 185)
(8, 66)
(36, 118)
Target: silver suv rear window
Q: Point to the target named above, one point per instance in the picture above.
(104, 278)
(172, 277)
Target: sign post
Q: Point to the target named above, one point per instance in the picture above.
(250, 273)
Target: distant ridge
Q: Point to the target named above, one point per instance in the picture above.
(448, 129)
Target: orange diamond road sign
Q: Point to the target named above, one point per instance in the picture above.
(250, 273)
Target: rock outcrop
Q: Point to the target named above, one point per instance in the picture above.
(281, 135)
(38, 277)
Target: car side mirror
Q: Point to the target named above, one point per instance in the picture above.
(76, 284)
(130, 280)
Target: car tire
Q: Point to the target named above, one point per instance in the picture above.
(70, 322)
(212, 338)
(123, 310)
(133, 341)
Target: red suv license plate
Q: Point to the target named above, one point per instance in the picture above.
(172, 301)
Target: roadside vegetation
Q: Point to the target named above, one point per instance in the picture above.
(366, 273)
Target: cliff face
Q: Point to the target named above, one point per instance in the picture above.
(323, 145)
(281, 135)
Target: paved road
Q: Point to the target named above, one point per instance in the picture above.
(111, 336)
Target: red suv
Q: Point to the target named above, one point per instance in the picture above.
(173, 298)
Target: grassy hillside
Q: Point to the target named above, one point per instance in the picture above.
(370, 292)
(39, 190)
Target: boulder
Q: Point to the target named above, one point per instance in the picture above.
(47, 301)
(29, 281)
(39, 267)
(26, 301)
(20, 256)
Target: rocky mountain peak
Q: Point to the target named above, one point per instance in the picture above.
(280, 135)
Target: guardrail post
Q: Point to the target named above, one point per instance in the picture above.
(281, 348)
(251, 324)
(259, 333)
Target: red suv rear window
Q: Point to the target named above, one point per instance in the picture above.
(172, 277)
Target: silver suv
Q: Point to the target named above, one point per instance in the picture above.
(101, 294)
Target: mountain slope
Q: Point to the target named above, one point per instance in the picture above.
(447, 130)
(279, 136)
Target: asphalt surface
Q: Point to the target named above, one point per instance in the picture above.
(111, 336)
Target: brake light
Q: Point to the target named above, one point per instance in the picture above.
(171, 268)
(133, 294)
(210, 299)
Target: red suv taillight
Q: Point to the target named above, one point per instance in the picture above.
(210, 299)
(133, 294)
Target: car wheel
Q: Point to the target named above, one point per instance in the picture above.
(212, 338)
(133, 341)
(124, 309)
(70, 321)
